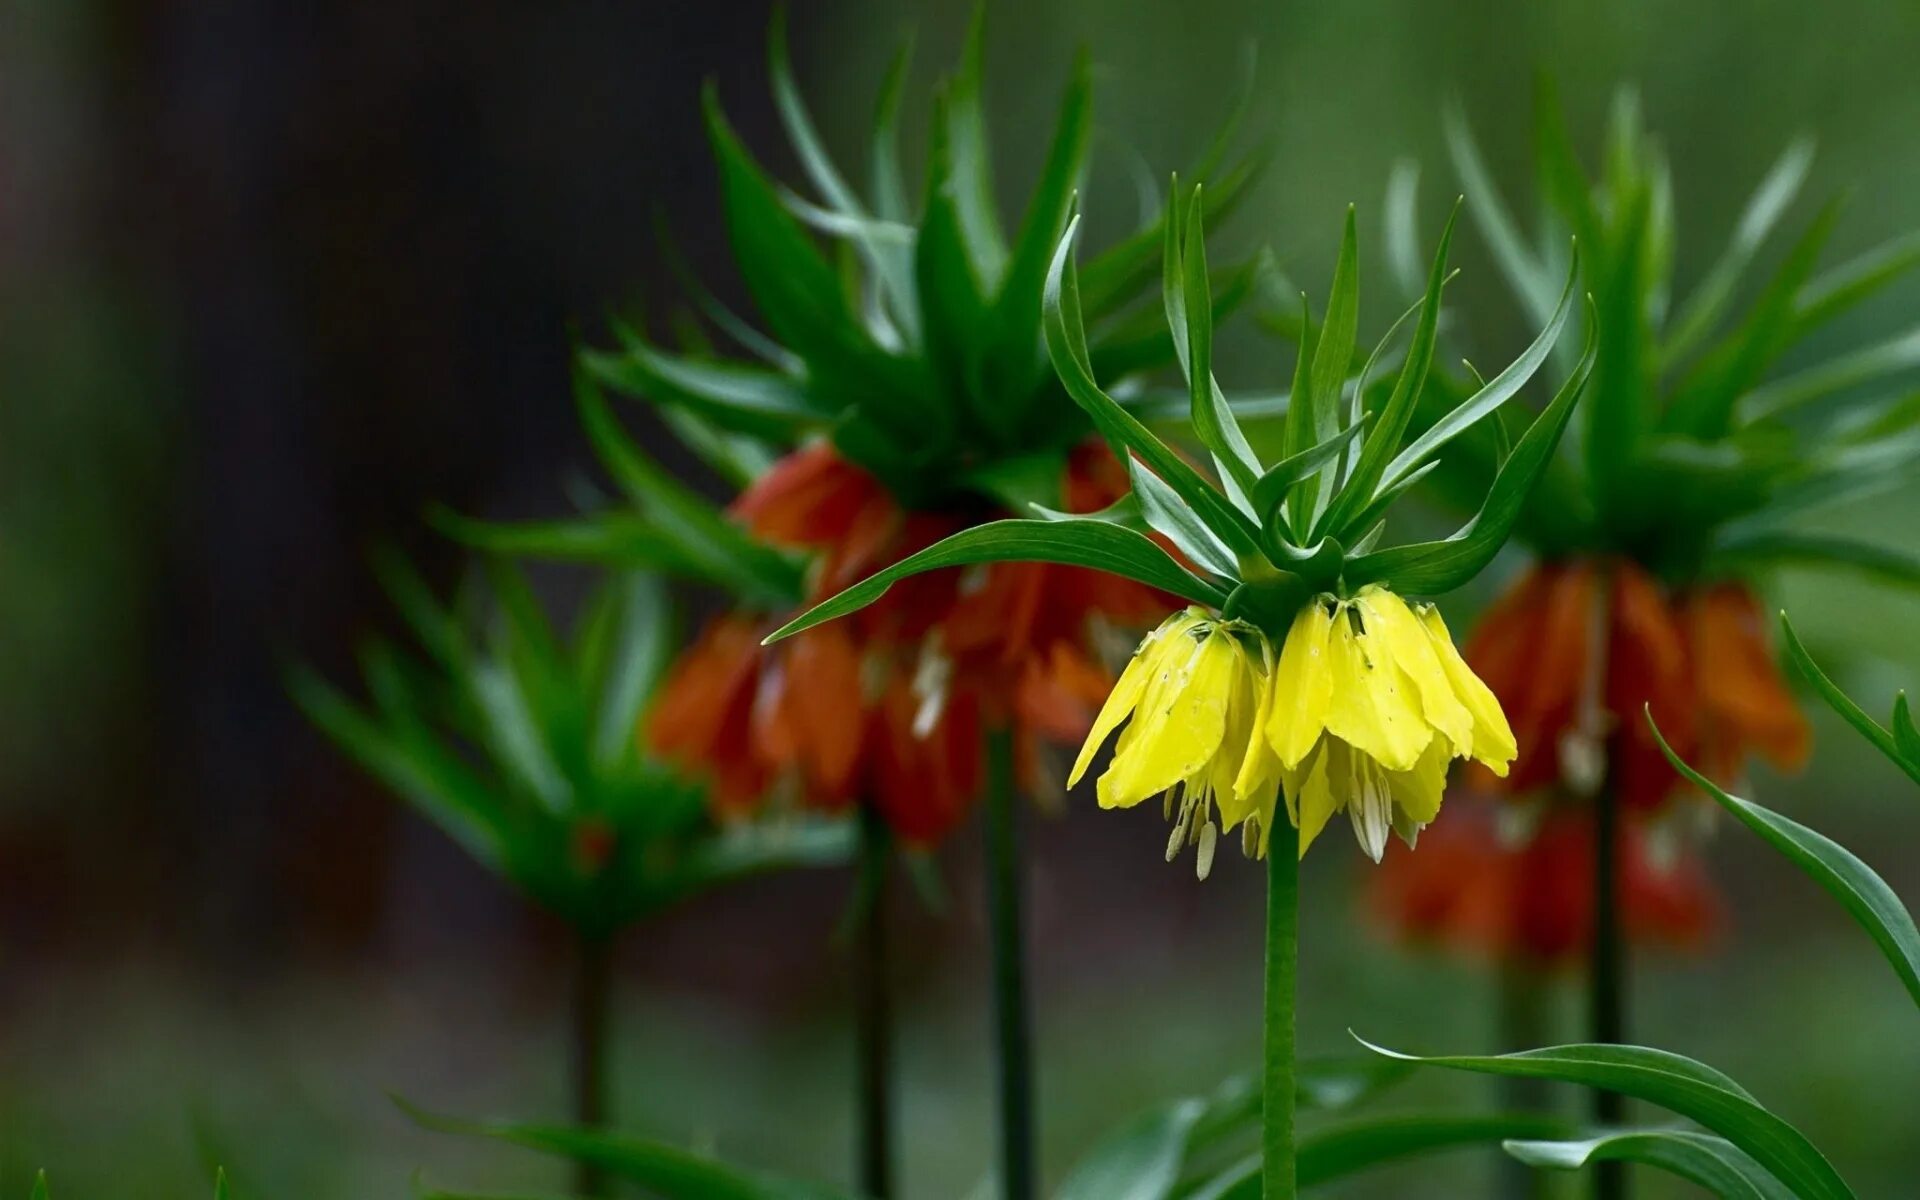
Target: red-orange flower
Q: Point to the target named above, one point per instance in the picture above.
(1698, 658)
(891, 705)
(1529, 898)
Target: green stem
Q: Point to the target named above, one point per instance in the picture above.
(1012, 1029)
(1283, 963)
(592, 991)
(873, 1011)
(1607, 1004)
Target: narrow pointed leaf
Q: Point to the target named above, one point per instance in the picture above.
(1681, 1085)
(1188, 299)
(1080, 543)
(1501, 389)
(1141, 1160)
(1843, 704)
(1526, 275)
(1379, 448)
(1433, 568)
(1768, 204)
(1352, 1147)
(1835, 375)
(1714, 1163)
(1066, 343)
(1853, 883)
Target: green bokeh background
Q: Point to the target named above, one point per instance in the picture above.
(130, 1062)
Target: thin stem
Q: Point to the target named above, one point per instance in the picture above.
(1523, 1026)
(873, 1011)
(587, 1051)
(1607, 1010)
(1012, 1028)
(1283, 963)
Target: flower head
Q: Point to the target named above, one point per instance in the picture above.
(1365, 707)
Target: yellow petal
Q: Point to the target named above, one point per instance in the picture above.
(1128, 688)
(1252, 790)
(1417, 792)
(1493, 742)
(1374, 709)
(1178, 724)
(1309, 789)
(1392, 625)
(1302, 686)
(1242, 707)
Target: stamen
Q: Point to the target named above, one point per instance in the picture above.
(1209, 837)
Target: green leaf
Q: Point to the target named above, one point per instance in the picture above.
(1501, 389)
(1167, 514)
(1141, 1160)
(1017, 308)
(1402, 226)
(1820, 550)
(1831, 865)
(1691, 1089)
(643, 646)
(607, 538)
(889, 181)
(220, 1183)
(1831, 377)
(1066, 343)
(1843, 704)
(753, 400)
(1115, 276)
(1349, 1148)
(966, 131)
(1705, 403)
(1081, 542)
(1768, 204)
(1271, 488)
(1525, 274)
(889, 262)
(669, 1170)
(1714, 1163)
(1840, 288)
(1332, 358)
(1364, 483)
(40, 1185)
(760, 848)
(796, 289)
(1905, 736)
(952, 292)
(733, 559)
(1188, 299)
(433, 626)
(1433, 568)
(443, 788)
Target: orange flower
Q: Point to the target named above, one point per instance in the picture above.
(890, 705)
(1531, 901)
(1699, 659)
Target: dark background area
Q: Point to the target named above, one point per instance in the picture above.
(273, 277)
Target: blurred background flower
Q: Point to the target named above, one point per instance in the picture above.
(271, 279)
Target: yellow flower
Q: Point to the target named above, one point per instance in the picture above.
(1371, 703)
(1365, 708)
(1196, 691)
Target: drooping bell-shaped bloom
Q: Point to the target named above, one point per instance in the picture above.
(890, 706)
(1371, 702)
(1362, 711)
(1577, 650)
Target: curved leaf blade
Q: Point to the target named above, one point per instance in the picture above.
(1714, 1163)
(1857, 887)
(1691, 1089)
(1843, 704)
(1081, 542)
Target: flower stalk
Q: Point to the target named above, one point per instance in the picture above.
(1012, 1023)
(587, 1048)
(1282, 978)
(873, 1011)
